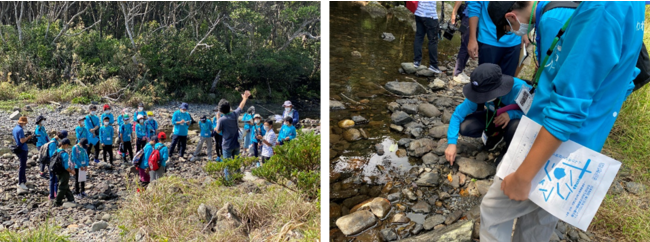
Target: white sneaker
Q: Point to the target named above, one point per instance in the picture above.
(462, 78)
(193, 159)
(22, 185)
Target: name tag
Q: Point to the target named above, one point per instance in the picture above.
(524, 99)
(484, 138)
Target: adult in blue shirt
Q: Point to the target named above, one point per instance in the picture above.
(20, 140)
(205, 125)
(487, 47)
(51, 150)
(289, 111)
(426, 23)
(287, 132)
(80, 160)
(41, 138)
(578, 96)
(106, 133)
(217, 135)
(92, 124)
(499, 122)
(64, 175)
(164, 157)
(181, 121)
(125, 137)
(228, 127)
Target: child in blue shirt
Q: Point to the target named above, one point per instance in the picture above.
(124, 133)
(287, 132)
(206, 137)
(140, 134)
(79, 158)
(107, 114)
(164, 157)
(64, 176)
(257, 129)
(106, 133)
(151, 125)
(41, 139)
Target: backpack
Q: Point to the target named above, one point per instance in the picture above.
(154, 159)
(137, 159)
(644, 65)
(56, 162)
(44, 153)
(412, 6)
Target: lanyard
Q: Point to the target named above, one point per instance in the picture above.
(548, 53)
(487, 114)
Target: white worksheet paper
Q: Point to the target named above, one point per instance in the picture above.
(571, 185)
(82, 176)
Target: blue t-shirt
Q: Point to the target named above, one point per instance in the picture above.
(206, 128)
(181, 129)
(65, 158)
(52, 147)
(147, 152)
(547, 25)
(136, 113)
(111, 119)
(487, 31)
(91, 122)
(257, 129)
(140, 131)
(164, 154)
(79, 157)
(228, 127)
(247, 117)
(41, 136)
(125, 131)
(151, 127)
(287, 131)
(18, 134)
(80, 133)
(584, 84)
(106, 134)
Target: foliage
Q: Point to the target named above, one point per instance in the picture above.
(297, 162)
(233, 165)
(44, 233)
(272, 47)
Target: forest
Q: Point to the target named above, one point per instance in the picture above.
(190, 51)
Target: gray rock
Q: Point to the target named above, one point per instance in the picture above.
(437, 84)
(405, 88)
(352, 135)
(400, 118)
(393, 197)
(21, 191)
(359, 119)
(616, 188)
(104, 165)
(425, 72)
(380, 149)
(446, 116)
(375, 9)
(474, 168)
(439, 131)
(15, 115)
(388, 234)
(420, 147)
(396, 127)
(428, 179)
(554, 237)
(573, 235)
(410, 108)
(97, 226)
(635, 188)
(458, 232)
(432, 221)
(417, 228)
(404, 142)
(409, 68)
(227, 218)
(453, 217)
(409, 194)
(69, 205)
(562, 227)
(428, 110)
(421, 207)
(106, 217)
(387, 36)
(336, 105)
(379, 206)
(430, 159)
(205, 212)
(393, 106)
(356, 222)
(400, 218)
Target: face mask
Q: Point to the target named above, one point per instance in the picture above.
(140, 108)
(267, 128)
(287, 123)
(92, 112)
(150, 118)
(141, 121)
(106, 112)
(81, 124)
(523, 28)
(287, 109)
(105, 123)
(257, 121)
(183, 111)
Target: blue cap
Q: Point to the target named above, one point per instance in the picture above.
(185, 106)
(64, 141)
(154, 139)
(64, 133)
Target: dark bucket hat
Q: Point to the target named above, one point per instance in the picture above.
(486, 83)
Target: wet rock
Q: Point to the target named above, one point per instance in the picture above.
(446, 116)
(346, 123)
(430, 159)
(409, 194)
(336, 105)
(396, 127)
(437, 84)
(458, 232)
(15, 115)
(400, 118)
(635, 188)
(352, 135)
(410, 108)
(428, 179)
(400, 218)
(405, 88)
(425, 72)
(616, 188)
(421, 207)
(388, 234)
(474, 168)
(417, 228)
(420, 147)
(387, 36)
(432, 221)
(379, 206)
(380, 149)
(401, 153)
(393, 197)
(227, 218)
(393, 106)
(409, 68)
(428, 110)
(359, 119)
(404, 142)
(439, 131)
(453, 217)
(351, 202)
(97, 226)
(375, 9)
(356, 222)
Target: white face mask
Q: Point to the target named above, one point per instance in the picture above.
(287, 109)
(105, 122)
(140, 108)
(523, 27)
(267, 128)
(150, 118)
(141, 121)
(92, 112)
(183, 111)
(81, 124)
(107, 111)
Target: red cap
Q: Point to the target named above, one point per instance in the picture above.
(162, 135)
(106, 107)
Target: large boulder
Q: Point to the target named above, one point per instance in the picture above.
(375, 9)
(15, 115)
(400, 118)
(379, 206)
(227, 218)
(356, 222)
(474, 168)
(405, 88)
(432, 221)
(458, 232)
(428, 110)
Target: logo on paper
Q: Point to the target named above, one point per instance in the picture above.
(556, 183)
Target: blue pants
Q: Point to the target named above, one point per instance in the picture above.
(22, 156)
(230, 153)
(463, 55)
(506, 57)
(430, 27)
(54, 184)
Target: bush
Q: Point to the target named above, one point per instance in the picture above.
(233, 165)
(45, 233)
(297, 161)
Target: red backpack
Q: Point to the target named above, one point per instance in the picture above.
(154, 159)
(412, 5)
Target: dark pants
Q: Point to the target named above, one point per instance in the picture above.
(430, 27)
(256, 149)
(181, 141)
(64, 188)
(108, 149)
(506, 57)
(90, 146)
(22, 156)
(474, 125)
(128, 148)
(54, 183)
(218, 140)
(79, 187)
(139, 144)
(38, 148)
(463, 55)
(282, 142)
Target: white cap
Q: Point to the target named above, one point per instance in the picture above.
(140, 116)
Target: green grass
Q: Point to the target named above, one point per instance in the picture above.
(627, 217)
(43, 233)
